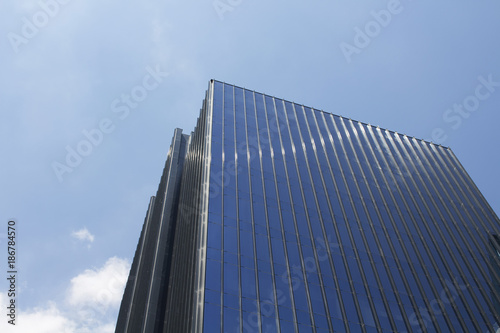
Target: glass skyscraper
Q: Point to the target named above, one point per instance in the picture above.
(276, 217)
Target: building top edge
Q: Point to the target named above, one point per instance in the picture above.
(334, 114)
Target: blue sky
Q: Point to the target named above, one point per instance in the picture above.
(426, 69)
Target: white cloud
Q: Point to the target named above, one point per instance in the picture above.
(92, 302)
(100, 288)
(83, 235)
(47, 319)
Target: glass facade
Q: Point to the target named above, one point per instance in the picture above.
(304, 221)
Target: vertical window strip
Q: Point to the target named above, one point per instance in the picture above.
(471, 270)
(329, 126)
(285, 248)
(201, 269)
(319, 119)
(428, 157)
(395, 245)
(414, 247)
(400, 152)
(286, 133)
(426, 216)
(315, 129)
(290, 116)
(461, 181)
(306, 143)
(355, 136)
(378, 172)
(331, 158)
(257, 286)
(222, 190)
(489, 223)
(391, 161)
(262, 116)
(338, 123)
(459, 174)
(238, 245)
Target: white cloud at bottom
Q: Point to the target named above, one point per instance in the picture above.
(91, 304)
(101, 287)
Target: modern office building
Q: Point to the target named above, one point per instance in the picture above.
(276, 217)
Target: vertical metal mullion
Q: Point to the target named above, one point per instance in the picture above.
(403, 246)
(479, 219)
(320, 218)
(194, 221)
(404, 223)
(197, 200)
(416, 225)
(458, 266)
(299, 243)
(327, 243)
(485, 276)
(222, 208)
(288, 268)
(315, 151)
(476, 194)
(149, 322)
(468, 181)
(267, 215)
(342, 202)
(238, 220)
(414, 246)
(395, 254)
(264, 194)
(254, 237)
(237, 207)
(389, 274)
(431, 235)
(139, 256)
(386, 183)
(486, 225)
(287, 126)
(198, 327)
